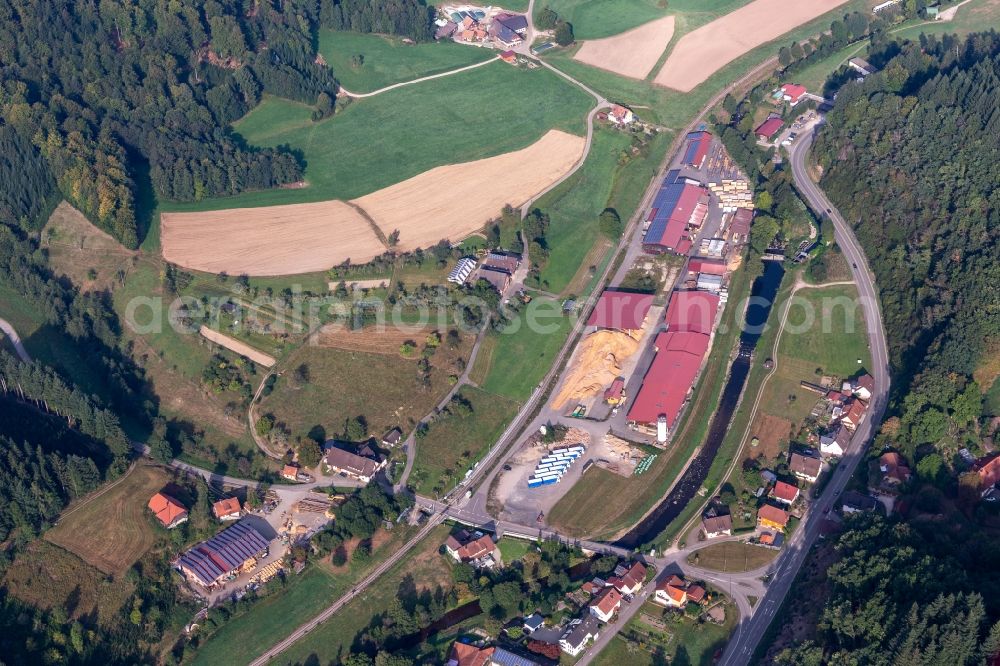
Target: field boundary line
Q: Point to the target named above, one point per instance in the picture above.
(450, 72)
(93, 496)
(371, 222)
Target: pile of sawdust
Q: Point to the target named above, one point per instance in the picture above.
(598, 363)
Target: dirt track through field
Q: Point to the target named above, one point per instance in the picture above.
(275, 240)
(457, 200)
(632, 53)
(234, 345)
(702, 52)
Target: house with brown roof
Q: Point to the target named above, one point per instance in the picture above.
(628, 578)
(854, 413)
(620, 115)
(716, 526)
(393, 437)
(167, 510)
(785, 493)
(362, 463)
(290, 472)
(987, 469)
(475, 548)
(227, 509)
(894, 469)
(606, 604)
(675, 592)
(463, 654)
(771, 517)
(805, 467)
(863, 387)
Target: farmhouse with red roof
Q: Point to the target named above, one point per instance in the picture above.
(167, 510)
(792, 93)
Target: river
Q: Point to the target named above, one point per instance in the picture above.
(765, 288)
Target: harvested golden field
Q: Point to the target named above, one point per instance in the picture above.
(595, 365)
(234, 345)
(275, 240)
(457, 200)
(702, 52)
(632, 53)
(109, 529)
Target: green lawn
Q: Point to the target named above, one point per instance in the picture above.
(593, 19)
(243, 638)
(422, 569)
(456, 442)
(379, 141)
(684, 641)
(524, 351)
(511, 549)
(387, 60)
(825, 327)
(978, 15)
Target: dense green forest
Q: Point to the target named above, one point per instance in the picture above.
(129, 101)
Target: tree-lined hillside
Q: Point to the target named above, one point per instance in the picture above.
(118, 96)
(910, 157)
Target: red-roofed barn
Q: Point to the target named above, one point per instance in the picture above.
(621, 310)
(692, 311)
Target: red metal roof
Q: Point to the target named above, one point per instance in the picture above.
(620, 309)
(794, 91)
(710, 266)
(670, 376)
(692, 311)
(767, 128)
(773, 514)
(680, 216)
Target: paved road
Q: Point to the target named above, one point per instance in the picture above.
(15, 340)
(347, 92)
(750, 630)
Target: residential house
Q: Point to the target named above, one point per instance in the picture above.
(509, 57)
(987, 469)
(805, 467)
(785, 493)
(473, 548)
(716, 526)
(579, 634)
(854, 413)
(854, 502)
(167, 510)
(835, 441)
(863, 387)
(606, 604)
(894, 469)
(532, 622)
(497, 278)
(463, 654)
(502, 657)
(675, 592)
(227, 509)
(792, 93)
(862, 66)
(393, 437)
(362, 464)
(771, 517)
(505, 263)
(290, 472)
(620, 115)
(628, 579)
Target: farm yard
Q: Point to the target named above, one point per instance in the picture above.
(702, 52)
(633, 53)
(277, 240)
(456, 200)
(112, 530)
(385, 60)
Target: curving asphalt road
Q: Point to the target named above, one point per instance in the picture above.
(749, 632)
(15, 340)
